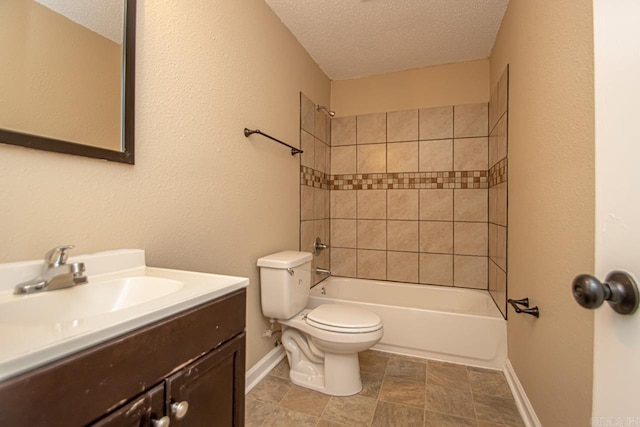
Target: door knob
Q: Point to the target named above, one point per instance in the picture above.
(619, 289)
(179, 409)
(162, 422)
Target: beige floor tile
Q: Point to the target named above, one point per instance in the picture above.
(449, 401)
(394, 415)
(414, 359)
(373, 362)
(406, 369)
(352, 411)
(281, 370)
(401, 391)
(488, 382)
(434, 419)
(487, 424)
(326, 423)
(306, 401)
(448, 375)
(283, 417)
(497, 410)
(256, 412)
(371, 384)
(270, 389)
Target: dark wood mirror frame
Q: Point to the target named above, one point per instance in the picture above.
(128, 116)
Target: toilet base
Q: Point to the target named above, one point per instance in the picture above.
(340, 375)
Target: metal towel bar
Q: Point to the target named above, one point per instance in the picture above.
(294, 150)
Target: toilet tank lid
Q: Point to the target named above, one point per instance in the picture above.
(285, 259)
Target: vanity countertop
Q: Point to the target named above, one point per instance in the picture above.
(122, 295)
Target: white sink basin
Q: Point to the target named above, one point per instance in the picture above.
(123, 294)
(74, 304)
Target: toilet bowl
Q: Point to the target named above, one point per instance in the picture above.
(322, 344)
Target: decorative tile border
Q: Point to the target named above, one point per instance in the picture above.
(404, 180)
(498, 173)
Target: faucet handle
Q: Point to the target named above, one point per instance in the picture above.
(57, 256)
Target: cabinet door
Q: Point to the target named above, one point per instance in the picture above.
(141, 412)
(212, 386)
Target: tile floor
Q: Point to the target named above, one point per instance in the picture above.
(397, 391)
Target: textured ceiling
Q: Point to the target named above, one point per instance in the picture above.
(105, 17)
(357, 38)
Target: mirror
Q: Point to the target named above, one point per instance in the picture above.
(67, 76)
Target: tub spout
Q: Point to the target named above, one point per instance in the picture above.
(323, 271)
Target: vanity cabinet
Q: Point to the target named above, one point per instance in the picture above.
(134, 380)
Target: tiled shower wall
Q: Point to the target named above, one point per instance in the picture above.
(409, 196)
(315, 165)
(498, 144)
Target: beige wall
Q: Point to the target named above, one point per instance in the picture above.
(451, 84)
(549, 49)
(57, 78)
(201, 196)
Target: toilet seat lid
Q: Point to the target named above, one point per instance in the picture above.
(343, 318)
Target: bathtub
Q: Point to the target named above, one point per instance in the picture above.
(448, 324)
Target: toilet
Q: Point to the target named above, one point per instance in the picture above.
(322, 344)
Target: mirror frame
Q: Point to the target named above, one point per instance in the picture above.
(128, 116)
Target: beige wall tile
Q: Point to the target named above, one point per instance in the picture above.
(501, 247)
(500, 294)
(320, 230)
(343, 203)
(307, 145)
(307, 114)
(493, 105)
(402, 157)
(321, 125)
(343, 131)
(471, 238)
(402, 204)
(372, 158)
(343, 233)
(493, 148)
(436, 123)
(501, 203)
(470, 271)
(492, 284)
(306, 202)
(372, 204)
(402, 236)
(436, 269)
(343, 262)
(372, 264)
(436, 205)
(402, 126)
(492, 244)
(372, 234)
(319, 205)
(436, 155)
(470, 154)
(343, 160)
(402, 267)
(501, 135)
(503, 89)
(436, 237)
(320, 156)
(471, 120)
(307, 236)
(493, 200)
(372, 128)
(471, 205)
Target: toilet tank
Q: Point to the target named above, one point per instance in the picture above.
(285, 279)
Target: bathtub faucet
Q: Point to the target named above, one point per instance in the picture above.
(323, 271)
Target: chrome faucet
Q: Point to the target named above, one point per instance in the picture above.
(57, 273)
(323, 271)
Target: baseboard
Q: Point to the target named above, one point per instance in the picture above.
(263, 367)
(525, 408)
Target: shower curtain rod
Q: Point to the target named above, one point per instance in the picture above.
(294, 150)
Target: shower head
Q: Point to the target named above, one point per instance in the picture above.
(331, 114)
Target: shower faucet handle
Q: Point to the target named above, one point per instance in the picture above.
(319, 246)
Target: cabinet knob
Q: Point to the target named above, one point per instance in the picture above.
(162, 422)
(179, 409)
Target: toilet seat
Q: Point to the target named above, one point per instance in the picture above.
(343, 319)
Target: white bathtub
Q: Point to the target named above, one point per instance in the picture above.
(436, 322)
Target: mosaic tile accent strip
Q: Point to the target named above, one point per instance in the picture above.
(410, 180)
(498, 173)
(313, 178)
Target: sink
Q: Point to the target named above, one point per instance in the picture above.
(71, 305)
(122, 295)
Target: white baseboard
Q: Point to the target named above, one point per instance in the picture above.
(525, 408)
(263, 367)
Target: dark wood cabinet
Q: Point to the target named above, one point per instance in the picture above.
(196, 356)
